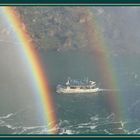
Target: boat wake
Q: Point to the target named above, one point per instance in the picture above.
(108, 90)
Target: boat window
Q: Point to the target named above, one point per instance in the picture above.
(73, 87)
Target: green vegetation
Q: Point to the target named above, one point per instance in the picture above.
(54, 28)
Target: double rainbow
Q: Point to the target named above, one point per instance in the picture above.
(95, 42)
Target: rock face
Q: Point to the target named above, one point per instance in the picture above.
(63, 28)
(55, 28)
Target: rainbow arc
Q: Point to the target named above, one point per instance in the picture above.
(35, 67)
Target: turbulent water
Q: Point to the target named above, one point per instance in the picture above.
(82, 113)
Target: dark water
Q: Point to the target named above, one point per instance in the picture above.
(89, 113)
(77, 113)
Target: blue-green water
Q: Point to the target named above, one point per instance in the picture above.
(78, 113)
(89, 113)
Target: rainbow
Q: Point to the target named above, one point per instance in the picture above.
(104, 63)
(100, 51)
(31, 56)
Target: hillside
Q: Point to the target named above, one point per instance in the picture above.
(63, 28)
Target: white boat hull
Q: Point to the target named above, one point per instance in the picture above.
(72, 91)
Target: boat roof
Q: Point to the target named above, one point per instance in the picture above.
(80, 84)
